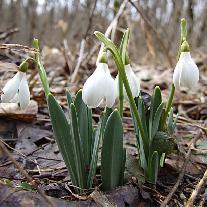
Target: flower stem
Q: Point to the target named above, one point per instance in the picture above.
(183, 37)
(168, 105)
(41, 69)
(122, 50)
(120, 65)
(121, 96)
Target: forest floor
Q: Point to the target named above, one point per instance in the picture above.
(28, 137)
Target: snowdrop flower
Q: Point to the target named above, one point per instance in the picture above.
(133, 80)
(99, 87)
(186, 73)
(16, 89)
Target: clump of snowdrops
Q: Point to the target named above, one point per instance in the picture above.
(79, 141)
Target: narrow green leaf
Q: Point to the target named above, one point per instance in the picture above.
(112, 152)
(156, 120)
(162, 159)
(94, 158)
(106, 115)
(156, 100)
(171, 123)
(78, 150)
(69, 98)
(63, 136)
(124, 43)
(84, 116)
(154, 167)
(143, 145)
(123, 167)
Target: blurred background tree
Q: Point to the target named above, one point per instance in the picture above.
(52, 21)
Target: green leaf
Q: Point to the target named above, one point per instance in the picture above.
(69, 98)
(123, 167)
(78, 149)
(123, 46)
(133, 169)
(143, 145)
(163, 143)
(156, 100)
(112, 152)
(154, 167)
(63, 136)
(26, 186)
(156, 120)
(162, 159)
(93, 163)
(84, 116)
(171, 124)
(106, 115)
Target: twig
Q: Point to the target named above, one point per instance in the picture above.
(101, 199)
(25, 174)
(80, 58)
(180, 177)
(147, 21)
(112, 25)
(196, 190)
(90, 20)
(4, 35)
(82, 46)
(18, 47)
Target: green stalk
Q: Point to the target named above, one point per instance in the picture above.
(120, 65)
(41, 69)
(121, 96)
(183, 37)
(123, 46)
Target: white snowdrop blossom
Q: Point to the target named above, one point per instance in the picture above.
(16, 90)
(186, 73)
(99, 87)
(133, 80)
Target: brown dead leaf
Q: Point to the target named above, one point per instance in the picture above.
(13, 111)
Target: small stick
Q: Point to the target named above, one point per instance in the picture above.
(80, 58)
(180, 177)
(26, 175)
(196, 190)
(101, 199)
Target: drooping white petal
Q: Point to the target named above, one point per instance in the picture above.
(11, 88)
(110, 90)
(93, 89)
(190, 74)
(176, 74)
(133, 80)
(186, 74)
(15, 99)
(24, 94)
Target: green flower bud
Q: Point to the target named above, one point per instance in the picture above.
(23, 67)
(103, 58)
(185, 47)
